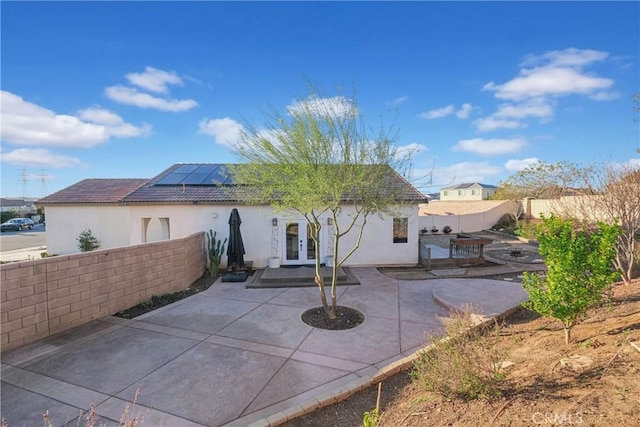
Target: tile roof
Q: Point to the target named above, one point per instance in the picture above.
(94, 191)
(467, 185)
(156, 190)
(14, 203)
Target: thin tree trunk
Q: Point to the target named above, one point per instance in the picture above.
(567, 335)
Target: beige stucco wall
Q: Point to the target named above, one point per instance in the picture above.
(463, 216)
(123, 225)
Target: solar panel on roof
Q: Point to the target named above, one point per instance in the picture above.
(196, 179)
(172, 179)
(185, 169)
(220, 176)
(206, 169)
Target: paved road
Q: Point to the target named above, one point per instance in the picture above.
(23, 245)
(13, 240)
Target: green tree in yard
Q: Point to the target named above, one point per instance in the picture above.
(579, 269)
(317, 159)
(87, 241)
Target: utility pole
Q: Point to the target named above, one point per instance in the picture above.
(43, 181)
(24, 180)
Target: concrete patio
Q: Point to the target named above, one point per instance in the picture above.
(235, 356)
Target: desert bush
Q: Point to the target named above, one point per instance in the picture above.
(462, 362)
(527, 229)
(506, 224)
(87, 241)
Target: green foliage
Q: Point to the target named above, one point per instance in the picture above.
(87, 241)
(579, 269)
(215, 250)
(6, 216)
(371, 418)
(313, 160)
(462, 362)
(527, 229)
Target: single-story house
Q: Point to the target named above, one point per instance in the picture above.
(468, 191)
(188, 198)
(20, 206)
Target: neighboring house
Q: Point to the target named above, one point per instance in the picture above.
(20, 206)
(190, 198)
(468, 191)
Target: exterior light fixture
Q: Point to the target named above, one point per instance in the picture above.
(329, 221)
(274, 222)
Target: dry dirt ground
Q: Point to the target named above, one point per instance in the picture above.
(538, 388)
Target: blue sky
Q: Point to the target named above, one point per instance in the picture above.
(482, 89)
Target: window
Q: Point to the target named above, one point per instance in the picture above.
(400, 230)
(473, 192)
(460, 193)
(446, 193)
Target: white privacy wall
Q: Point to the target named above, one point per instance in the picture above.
(108, 223)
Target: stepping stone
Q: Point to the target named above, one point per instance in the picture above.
(576, 362)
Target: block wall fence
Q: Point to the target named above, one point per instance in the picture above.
(43, 297)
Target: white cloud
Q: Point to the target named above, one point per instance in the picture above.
(398, 101)
(225, 131)
(114, 124)
(516, 165)
(511, 116)
(549, 81)
(438, 113)
(536, 107)
(490, 147)
(154, 80)
(24, 123)
(132, 96)
(544, 77)
(337, 106)
(465, 172)
(605, 96)
(39, 157)
(570, 57)
(490, 123)
(464, 111)
(634, 163)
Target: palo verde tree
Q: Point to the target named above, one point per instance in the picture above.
(579, 269)
(319, 160)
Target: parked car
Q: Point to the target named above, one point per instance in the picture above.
(17, 224)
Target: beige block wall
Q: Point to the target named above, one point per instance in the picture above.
(43, 297)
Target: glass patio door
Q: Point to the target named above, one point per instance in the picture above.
(299, 246)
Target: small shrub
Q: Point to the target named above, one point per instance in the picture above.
(580, 268)
(506, 223)
(462, 362)
(527, 229)
(87, 241)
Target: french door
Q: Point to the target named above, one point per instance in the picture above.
(299, 247)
